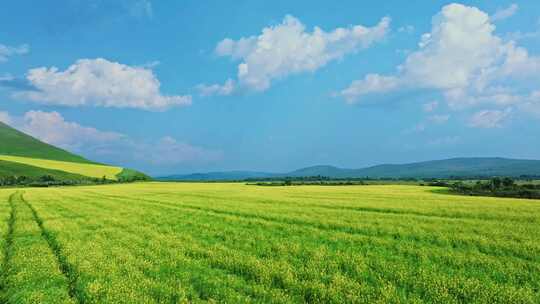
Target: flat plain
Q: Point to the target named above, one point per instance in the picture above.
(235, 243)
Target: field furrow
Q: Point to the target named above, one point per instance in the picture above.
(385, 227)
(192, 242)
(31, 273)
(71, 274)
(7, 213)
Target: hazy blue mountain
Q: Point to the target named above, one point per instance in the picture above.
(217, 176)
(459, 167)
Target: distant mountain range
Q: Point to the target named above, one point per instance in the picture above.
(454, 167)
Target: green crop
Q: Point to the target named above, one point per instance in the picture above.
(234, 243)
(90, 170)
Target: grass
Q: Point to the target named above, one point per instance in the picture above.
(19, 144)
(182, 242)
(90, 170)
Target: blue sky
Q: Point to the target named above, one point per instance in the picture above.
(178, 87)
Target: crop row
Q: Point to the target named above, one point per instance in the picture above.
(235, 243)
(30, 269)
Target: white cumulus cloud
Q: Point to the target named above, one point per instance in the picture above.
(52, 128)
(288, 48)
(371, 84)
(99, 82)
(463, 59)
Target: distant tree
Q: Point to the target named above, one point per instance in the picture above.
(496, 183)
(21, 180)
(10, 180)
(507, 182)
(47, 178)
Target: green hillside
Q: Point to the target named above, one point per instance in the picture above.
(22, 156)
(17, 143)
(17, 169)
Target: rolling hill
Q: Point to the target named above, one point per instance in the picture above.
(18, 169)
(16, 143)
(455, 167)
(23, 155)
(90, 170)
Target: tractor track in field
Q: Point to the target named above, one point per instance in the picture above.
(8, 247)
(67, 269)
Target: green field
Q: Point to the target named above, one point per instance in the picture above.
(20, 169)
(233, 243)
(90, 170)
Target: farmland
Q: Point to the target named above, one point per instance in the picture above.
(189, 242)
(90, 170)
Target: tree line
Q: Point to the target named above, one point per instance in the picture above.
(50, 180)
(497, 186)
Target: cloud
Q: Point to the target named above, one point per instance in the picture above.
(462, 59)
(488, 119)
(5, 117)
(7, 51)
(287, 48)
(99, 82)
(216, 89)
(505, 13)
(430, 106)
(114, 147)
(371, 84)
(51, 128)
